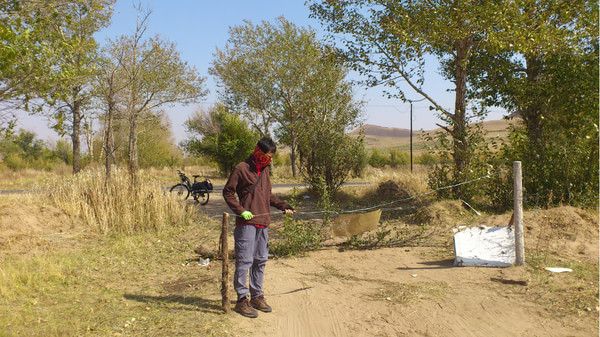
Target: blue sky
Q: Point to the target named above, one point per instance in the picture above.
(198, 27)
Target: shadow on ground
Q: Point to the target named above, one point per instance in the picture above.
(440, 264)
(202, 304)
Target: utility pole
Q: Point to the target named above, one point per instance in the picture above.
(411, 133)
(411, 101)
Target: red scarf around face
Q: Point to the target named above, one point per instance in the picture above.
(261, 160)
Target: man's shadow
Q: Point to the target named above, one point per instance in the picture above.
(203, 305)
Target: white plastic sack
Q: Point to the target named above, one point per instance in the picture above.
(484, 246)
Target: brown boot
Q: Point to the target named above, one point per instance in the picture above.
(244, 308)
(259, 303)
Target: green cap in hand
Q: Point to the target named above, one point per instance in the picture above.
(247, 215)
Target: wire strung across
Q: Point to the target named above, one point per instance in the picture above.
(379, 206)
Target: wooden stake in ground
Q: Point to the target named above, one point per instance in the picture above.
(518, 213)
(224, 265)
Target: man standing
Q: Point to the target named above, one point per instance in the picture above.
(251, 183)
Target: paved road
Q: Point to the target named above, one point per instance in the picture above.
(217, 188)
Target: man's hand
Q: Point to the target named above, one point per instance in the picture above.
(289, 211)
(247, 215)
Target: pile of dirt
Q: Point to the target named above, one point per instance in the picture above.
(563, 231)
(26, 219)
(449, 213)
(401, 186)
(390, 189)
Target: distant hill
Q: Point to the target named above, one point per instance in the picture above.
(385, 137)
(382, 131)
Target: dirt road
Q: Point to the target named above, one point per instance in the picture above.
(398, 292)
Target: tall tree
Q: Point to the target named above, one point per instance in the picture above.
(74, 68)
(263, 73)
(156, 77)
(548, 76)
(388, 41)
(328, 154)
(109, 90)
(26, 50)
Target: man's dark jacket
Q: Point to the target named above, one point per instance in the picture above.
(256, 199)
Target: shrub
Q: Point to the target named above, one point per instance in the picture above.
(223, 137)
(474, 165)
(296, 237)
(398, 158)
(427, 159)
(24, 150)
(361, 162)
(156, 147)
(281, 159)
(378, 159)
(328, 159)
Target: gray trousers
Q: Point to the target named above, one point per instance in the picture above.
(251, 253)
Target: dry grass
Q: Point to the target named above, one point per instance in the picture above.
(406, 293)
(566, 294)
(56, 282)
(114, 286)
(393, 188)
(117, 207)
(28, 179)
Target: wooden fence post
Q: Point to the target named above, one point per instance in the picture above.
(518, 213)
(225, 265)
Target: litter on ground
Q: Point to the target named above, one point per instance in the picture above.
(484, 246)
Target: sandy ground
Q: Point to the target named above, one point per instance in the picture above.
(398, 292)
(385, 292)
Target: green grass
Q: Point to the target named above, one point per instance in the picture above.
(141, 284)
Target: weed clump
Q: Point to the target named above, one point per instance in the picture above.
(296, 237)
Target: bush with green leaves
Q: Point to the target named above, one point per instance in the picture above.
(23, 150)
(475, 164)
(559, 149)
(567, 175)
(426, 159)
(221, 136)
(361, 161)
(378, 159)
(398, 158)
(296, 237)
(156, 147)
(328, 159)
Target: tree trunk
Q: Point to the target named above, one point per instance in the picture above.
(133, 153)
(293, 155)
(531, 112)
(89, 137)
(109, 142)
(459, 128)
(76, 135)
